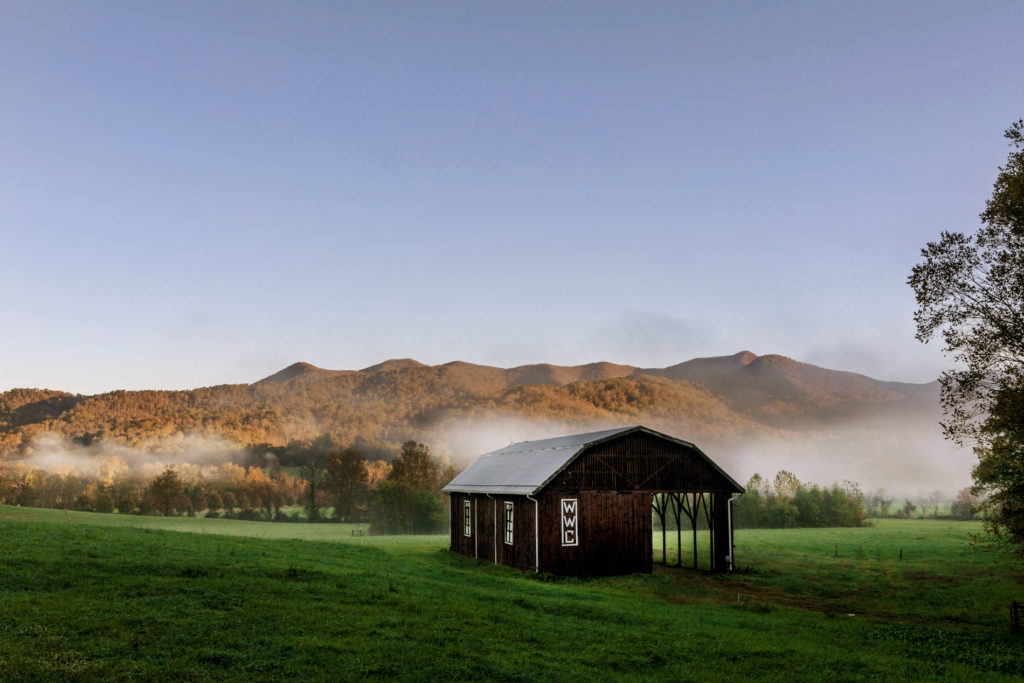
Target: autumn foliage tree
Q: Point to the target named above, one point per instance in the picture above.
(165, 492)
(314, 474)
(347, 481)
(415, 468)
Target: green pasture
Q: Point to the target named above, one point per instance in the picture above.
(89, 596)
(916, 571)
(327, 531)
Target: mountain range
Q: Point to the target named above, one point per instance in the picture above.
(459, 407)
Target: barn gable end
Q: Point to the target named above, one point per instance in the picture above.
(642, 461)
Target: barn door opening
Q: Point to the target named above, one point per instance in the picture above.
(684, 530)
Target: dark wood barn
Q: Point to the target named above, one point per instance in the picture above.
(581, 505)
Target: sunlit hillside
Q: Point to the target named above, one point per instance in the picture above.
(717, 400)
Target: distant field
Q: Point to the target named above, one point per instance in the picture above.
(332, 532)
(86, 596)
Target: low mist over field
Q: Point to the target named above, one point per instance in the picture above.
(54, 453)
(750, 413)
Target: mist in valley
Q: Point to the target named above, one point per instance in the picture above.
(901, 451)
(55, 454)
(909, 460)
(908, 464)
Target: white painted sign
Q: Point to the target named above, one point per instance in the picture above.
(570, 522)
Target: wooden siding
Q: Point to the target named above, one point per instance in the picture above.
(460, 543)
(521, 553)
(640, 462)
(485, 527)
(614, 534)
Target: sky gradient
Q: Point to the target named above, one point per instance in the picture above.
(202, 193)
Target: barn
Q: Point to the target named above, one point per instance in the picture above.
(581, 505)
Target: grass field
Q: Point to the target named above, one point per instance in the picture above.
(88, 596)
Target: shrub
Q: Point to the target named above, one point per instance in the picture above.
(214, 502)
(400, 509)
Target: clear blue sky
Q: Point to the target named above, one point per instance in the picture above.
(203, 193)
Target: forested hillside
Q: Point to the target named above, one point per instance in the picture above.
(719, 400)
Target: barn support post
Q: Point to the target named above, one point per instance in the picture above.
(709, 517)
(690, 510)
(665, 559)
(677, 517)
(732, 546)
(476, 528)
(712, 511)
(722, 521)
(658, 502)
(698, 501)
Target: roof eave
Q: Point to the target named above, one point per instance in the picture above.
(513, 490)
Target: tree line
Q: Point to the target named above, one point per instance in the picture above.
(403, 496)
(934, 505)
(787, 502)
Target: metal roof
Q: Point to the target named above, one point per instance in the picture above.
(528, 466)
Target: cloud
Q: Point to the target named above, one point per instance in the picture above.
(651, 339)
(906, 361)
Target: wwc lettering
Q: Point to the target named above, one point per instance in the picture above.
(570, 522)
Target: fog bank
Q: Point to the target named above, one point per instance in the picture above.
(54, 453)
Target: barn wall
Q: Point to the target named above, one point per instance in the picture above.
(460, 543)
(520, 554)
(640, 462)
(614, 534)
(485, 527)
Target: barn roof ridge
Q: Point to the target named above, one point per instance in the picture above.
(527, 467)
